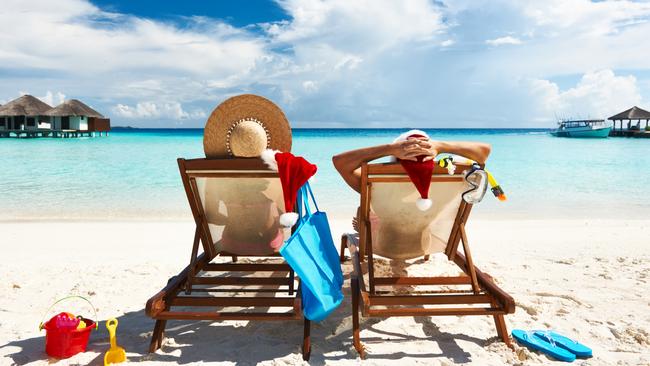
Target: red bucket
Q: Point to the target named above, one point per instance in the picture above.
(64, 343)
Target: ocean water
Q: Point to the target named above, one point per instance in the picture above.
(133, 174)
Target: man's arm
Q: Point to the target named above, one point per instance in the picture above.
(349, 163)
(477, 151)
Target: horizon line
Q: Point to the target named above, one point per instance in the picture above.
(348, 128)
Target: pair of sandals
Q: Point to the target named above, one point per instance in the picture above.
(551, 343)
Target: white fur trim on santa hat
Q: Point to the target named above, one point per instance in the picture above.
(406, 135)
(288, 219)
(268, 157)
(423, 204)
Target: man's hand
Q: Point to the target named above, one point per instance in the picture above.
(414, 147)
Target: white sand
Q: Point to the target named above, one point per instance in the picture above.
(587, 279)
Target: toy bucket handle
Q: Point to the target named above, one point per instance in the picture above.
(40, 325)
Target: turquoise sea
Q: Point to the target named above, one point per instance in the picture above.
(132, 174)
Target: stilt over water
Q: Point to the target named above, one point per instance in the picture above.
(51, 133)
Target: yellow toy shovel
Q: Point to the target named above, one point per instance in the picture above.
(115, 354)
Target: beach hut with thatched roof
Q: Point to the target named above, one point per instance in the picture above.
(73, 115)
(633, 114)
(24, 113)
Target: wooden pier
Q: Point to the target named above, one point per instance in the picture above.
(632, 115)
(50, 133)
(630, 133)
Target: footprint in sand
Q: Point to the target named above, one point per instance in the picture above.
(631, 336)
(530, 309)
(562, 311)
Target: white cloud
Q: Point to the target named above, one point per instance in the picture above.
(85, 45)
(362, 25)
(503, 40)
(150, 110)
(594, 18)
(310, 85)
(447, 43)
(337, 62)
(53, 99)
(598, 94)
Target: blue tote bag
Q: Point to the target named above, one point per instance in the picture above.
(311, 253)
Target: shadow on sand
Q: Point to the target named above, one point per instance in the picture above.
(252, 342)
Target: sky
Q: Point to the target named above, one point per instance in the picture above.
(337, 63)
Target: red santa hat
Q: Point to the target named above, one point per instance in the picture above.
(294, 172)
(419, 171)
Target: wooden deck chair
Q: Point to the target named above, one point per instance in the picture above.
(398, 230)
(236, 204)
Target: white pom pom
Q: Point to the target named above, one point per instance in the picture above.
(268, 157)
(406, 134)
(423, 204)
(288, 219)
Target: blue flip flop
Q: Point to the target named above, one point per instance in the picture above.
(529, 340)
(567, 343)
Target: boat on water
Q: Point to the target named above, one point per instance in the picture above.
(588, 128)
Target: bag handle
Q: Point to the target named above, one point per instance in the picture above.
(40, 326)
(312, 196)
(305, 199)
(302, 204)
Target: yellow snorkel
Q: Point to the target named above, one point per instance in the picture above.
(448, 163)
(496, 189)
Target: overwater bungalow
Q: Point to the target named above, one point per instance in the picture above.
(634, 117)
(28, 116)
(77, 116)
(24, 113)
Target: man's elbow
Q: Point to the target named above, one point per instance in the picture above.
(485, 150)
(337, 161)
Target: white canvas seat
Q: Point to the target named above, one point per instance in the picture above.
(391, 226)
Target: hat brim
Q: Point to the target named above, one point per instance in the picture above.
(241, 107)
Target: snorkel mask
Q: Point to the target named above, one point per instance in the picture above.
(478, 179)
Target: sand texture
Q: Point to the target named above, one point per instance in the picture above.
(588, 279)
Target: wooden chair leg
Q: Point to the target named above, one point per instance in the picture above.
(502, 329)
(292, 279)
(344, 244)
(306, 341)
(158, 335)
(426, 257)
(356, 338)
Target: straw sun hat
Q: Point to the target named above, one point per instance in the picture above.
(244, 126)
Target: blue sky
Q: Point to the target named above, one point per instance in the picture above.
(334, 63)
(236, 13)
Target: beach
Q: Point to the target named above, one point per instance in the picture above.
(500, 146)
(107, 219)
(587, 278)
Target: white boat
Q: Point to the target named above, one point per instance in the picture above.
(589, 128)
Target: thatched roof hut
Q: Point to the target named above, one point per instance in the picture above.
(634, 113)
(26, 105)
(73, 107)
